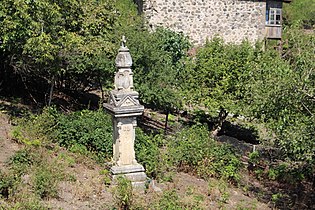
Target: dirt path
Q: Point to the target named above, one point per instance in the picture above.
(7, 146)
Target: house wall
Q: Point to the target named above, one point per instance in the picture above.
(233, 20)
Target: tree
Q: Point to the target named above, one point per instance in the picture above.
(60, 42)
(214, 79)
(301, 12)
(157, 67)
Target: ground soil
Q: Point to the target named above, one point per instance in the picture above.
(7, 146)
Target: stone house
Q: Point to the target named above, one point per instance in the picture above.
(233, 20)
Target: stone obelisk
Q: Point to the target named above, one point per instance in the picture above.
(124, 107)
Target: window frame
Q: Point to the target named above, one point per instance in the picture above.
(275, 16)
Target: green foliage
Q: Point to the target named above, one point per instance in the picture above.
(301, 12)
(45, 179)
(107, 176)
(147, 149)
(169, 200)
(30, 178)
(83, 132)
(60, 41)
(23, 159)
(192, 149)
(290, 172)
(190, 146)
(286, 95)
(7, 184)
(86, 131)
(29, 203)
(215, 77)
(34, 130)
(242, 79)
(123, 193)
(254, 157)
(157, 65)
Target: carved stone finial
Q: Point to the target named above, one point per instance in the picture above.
(123, 77)
(123, 59)
(123, 41)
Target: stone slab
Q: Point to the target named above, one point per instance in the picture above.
(134, 173)
(129, 111)
(133, 177)
(116, 170)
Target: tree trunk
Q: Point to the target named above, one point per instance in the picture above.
(101, 87)
(221, 118)
(51, 90)
(166, 121)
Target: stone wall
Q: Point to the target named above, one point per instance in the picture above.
(233, 20)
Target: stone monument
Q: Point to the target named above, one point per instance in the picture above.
(124, 107)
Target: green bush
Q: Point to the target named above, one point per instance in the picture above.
(6, 184)
(214, 78)
(190, 146)
(83, 131)
(35, 130)
(86, 131)
(169, 200)
(193, 149)
(123, 193)
(148, 152)
(23, 159)
(45, 180)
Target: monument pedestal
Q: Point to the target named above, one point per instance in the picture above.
(134, 173)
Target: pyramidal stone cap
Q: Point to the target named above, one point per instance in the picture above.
(123, 58)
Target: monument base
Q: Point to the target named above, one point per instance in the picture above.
(134, 173)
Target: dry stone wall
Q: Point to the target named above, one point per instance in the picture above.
(233, 20)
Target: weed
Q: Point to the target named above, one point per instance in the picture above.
(107, 179)
(45, 179)
(7, 183)
(276, 197)
(44, 183)
(27, 202)
(85, 131)
(259, 174)
(148, 153)
(123, 195)
(71, 178)
(199, 198)
(243, 205)
(190, 190)
(224, 197)
(193, 150)
(169, 200)
(254, 157)
(22, 160)
(70, 161)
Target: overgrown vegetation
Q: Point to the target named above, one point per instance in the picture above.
(62, 44)
(32, 176)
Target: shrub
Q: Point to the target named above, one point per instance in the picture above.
(169, 200)
(6, 184)
(193, 150)
(45, 179)
(148, 152)
(23, 159)
(123, 193)
(189, 146)
(90, 129)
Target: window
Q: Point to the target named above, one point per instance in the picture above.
(274, 16)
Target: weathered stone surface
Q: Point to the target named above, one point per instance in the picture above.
(233, 20)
